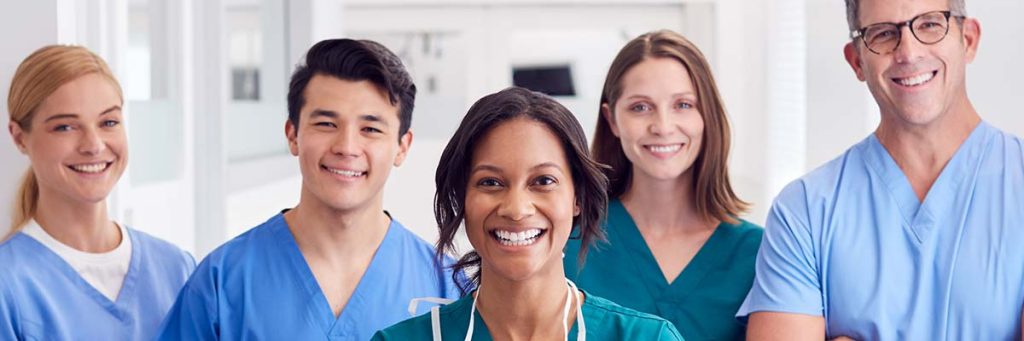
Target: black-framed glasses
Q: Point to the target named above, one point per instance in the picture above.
(882, 38)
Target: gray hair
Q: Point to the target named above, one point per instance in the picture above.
(957, 7)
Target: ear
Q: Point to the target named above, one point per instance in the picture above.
(17, 135)
(609, 117)
(853, 58)
(404, 144)
(291, 132)
(972, 37)
(576, 209)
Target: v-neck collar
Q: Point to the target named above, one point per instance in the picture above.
(623, 229)
(318, 306)
(125, 298)
(921, 217)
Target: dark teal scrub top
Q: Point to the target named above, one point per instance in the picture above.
(701, 302)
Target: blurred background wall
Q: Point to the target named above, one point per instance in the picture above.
(206, 81)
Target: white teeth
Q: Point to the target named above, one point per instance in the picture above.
(90, 168)
(517, 238)
(348, 173)
(916, 80)
(664, 149)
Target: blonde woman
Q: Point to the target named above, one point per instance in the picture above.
(69, 271)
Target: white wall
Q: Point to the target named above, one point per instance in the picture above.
(17, 18)
(993, 80)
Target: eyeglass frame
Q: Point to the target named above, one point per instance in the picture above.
(859, 33)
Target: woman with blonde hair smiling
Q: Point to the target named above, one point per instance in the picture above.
(69, 271)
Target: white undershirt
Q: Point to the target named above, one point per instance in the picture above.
(103, 271)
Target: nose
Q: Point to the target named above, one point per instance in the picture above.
(661, 123)
(91, 142)
(909, 48)
(345, 143)
(516, 205)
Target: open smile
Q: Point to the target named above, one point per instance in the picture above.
(517, 238)
(916, 80)
(91, 168)
(345, 173)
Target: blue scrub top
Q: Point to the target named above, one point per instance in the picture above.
(851, 242)
(258, 286)
(604, 321)
(43, 298)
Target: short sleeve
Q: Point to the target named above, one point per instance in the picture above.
(194, 313)
(786, 271)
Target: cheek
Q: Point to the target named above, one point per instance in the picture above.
(477, 207)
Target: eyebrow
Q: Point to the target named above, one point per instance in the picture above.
(73, 116)
(486, 167)
(333, 115)
(680, 94)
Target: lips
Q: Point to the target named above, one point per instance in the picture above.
(348, 173)
(916, 80)
(517, 238)
(91, 168)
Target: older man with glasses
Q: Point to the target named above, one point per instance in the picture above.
(916, 232)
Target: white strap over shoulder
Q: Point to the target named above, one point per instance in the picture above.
(413, 303)
(435, 322)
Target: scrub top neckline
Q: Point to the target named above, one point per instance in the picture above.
(623, 229)
(921, 217)
(125, 297)
(318, 305)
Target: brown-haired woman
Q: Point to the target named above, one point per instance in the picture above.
(676, 248)
(518, 174)
(69, 272)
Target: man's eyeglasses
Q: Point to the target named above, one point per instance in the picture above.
(882, 38)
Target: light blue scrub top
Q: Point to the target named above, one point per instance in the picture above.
(850, 242)
(258, 286)
(604, 320)
(43, 298)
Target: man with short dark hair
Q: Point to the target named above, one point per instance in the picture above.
(914, 233)
(337, 266)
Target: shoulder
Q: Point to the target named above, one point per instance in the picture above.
(160, 249)
(18, 254)
(248, 243)
(415, 328)
(628, 321)
(746, 234)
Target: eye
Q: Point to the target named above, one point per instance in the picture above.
(488, 183)
(684, 105)
(640, 107)
(545, 180)
(325, 124)
(62, 128)
(110, 123)
(372, 130)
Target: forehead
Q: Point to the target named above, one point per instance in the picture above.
(85, 96)
(347, 97)
(519, 144)
(656, 75)
(876, 11)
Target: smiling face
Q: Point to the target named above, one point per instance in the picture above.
(520, 200)
(76, 140)
(347, 141)
(917, 83)
(656, 119)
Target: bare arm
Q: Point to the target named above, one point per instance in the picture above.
(770, 326)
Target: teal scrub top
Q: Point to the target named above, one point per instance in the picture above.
(701, 301)
(604, 321)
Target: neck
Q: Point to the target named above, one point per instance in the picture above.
(325, 232)
(922, 151)
(659, 204)
(83, 226)
(526, 309)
